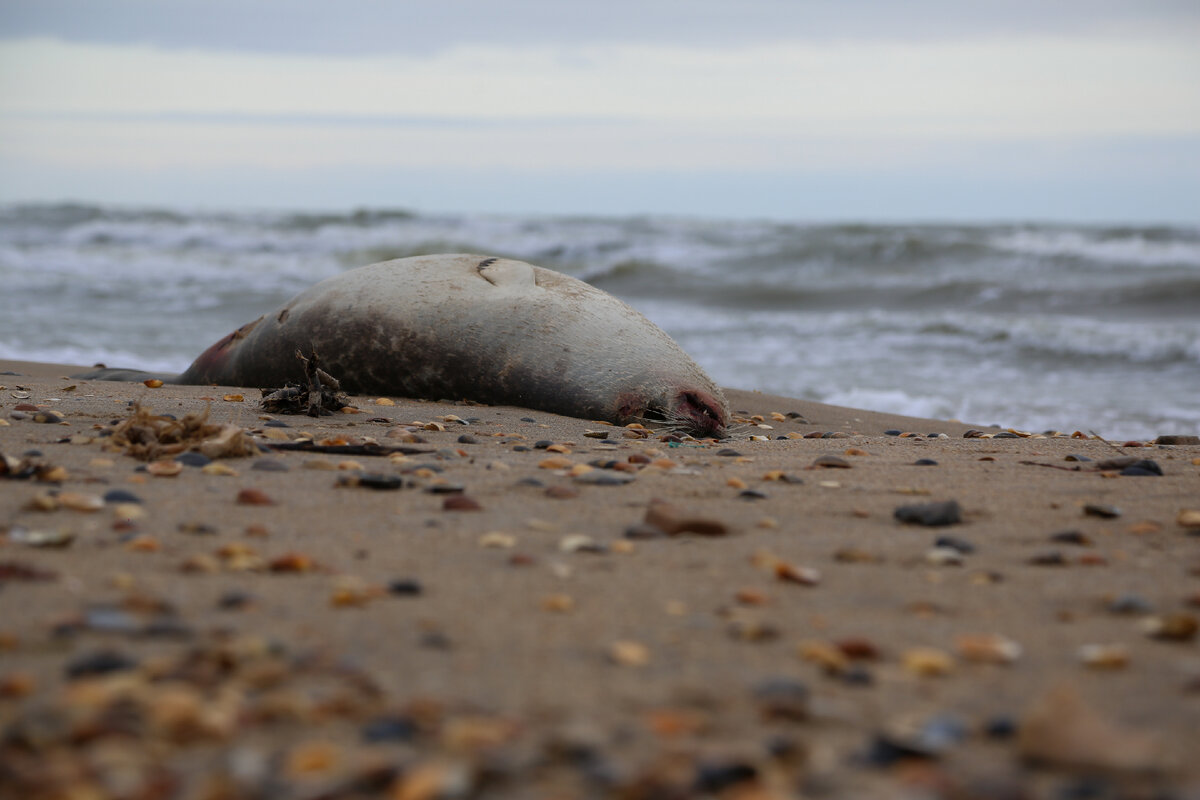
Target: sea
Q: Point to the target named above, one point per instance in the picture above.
(1033, 326)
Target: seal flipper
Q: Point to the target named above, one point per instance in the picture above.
(118, 374)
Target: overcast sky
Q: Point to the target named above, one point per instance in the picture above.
(793, 110)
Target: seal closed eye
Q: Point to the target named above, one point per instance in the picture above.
(426, 327)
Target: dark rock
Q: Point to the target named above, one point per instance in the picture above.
(1177, 439)
(930, 514)
(752, 494)
(954, 543)
(728, 452)
(1072, 537)
(193, 459)
(1145, 467)
(716, 778)
(390, 729)
(1100, 510)
(270, 465)
(925, 462)
(100, 662)
(405, 587)
(467, 438)
(121, 496)
(782, 698)
(1130, 604)
(893, 432)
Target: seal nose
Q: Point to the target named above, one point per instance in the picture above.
(705, 415)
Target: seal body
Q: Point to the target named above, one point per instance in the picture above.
(470, 327)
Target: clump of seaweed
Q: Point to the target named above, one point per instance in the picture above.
(149, 437)
(319, 394)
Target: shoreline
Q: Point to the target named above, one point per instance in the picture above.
(818, 645)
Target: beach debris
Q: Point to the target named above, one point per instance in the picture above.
(318, 394)
(830, 462)
(1188, 518)
(149, 437)
(927, 662)
(781, 698)
(58, 538)
(20, 571)
(461, 502)
(1060, 729)
(930, 514)
(373, 480)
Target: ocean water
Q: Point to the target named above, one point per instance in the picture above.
(1034, 326)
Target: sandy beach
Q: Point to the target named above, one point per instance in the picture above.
(513, 607)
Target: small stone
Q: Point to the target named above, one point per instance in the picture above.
(944, 557)
(461, 502)
(498, 540)
(48, 539)
(1104, 656)
(1144, 468)
(597, 477)
(831, 462)
(1129, 604)
(829, 657)
(101, 662)
(193, 459)
(673, 520)
(629, 653)
(782, 699)
(405, 587)
(991, 648)
(1188, 518)
(121, 496)
(580, 543)
(1102, 511)
(1072, 537)
(930, 514)
(728, 452)
(1177, 439)
(1171, 627)
(48, 417)
(558, 603)
(219, 468)
(164, 469)
(925, 462)
(1076, 457)
(954, 543)
(1049, 558)
(926, 662)
(254, 497)
(270, 465)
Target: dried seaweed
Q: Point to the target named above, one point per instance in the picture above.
(319, 394)
(150, 437)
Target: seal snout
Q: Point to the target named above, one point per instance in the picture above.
(700, 412)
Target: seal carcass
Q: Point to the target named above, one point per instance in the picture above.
(491, 330)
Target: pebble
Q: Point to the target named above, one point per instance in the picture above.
(673, 520)
(1188, 518)
(1072, 537)
(405, 587)
(944, 557)
(1178, 627)
(393, 728)
(34, 538)
(990, 648)
(580, 543)
(254, 497)
(1101, 510)
(628, 653)
(752, 494)
(927, 662)
(782, 699)
(930, 514)
(164, 469)
(1104, 656)
(100, 662)
(925, 462)
(372, 480)
(604, 478)
(1177, 439)
(1130, 604)
(1049, 558)
(728, 452)
(270, 465)
(1144, 468)
(48, 417)
(461, 502)
(1076, 457)
(954, 543)
(193, 459)
(831, 462)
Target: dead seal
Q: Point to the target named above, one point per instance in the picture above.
(468, 327)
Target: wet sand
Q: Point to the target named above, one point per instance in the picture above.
(346, 641)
